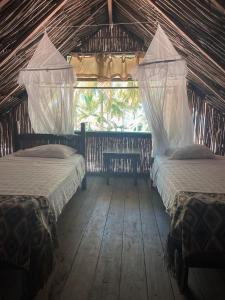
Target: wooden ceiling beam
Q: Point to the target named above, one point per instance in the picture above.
(82, 25)
(191, 71)
(3, 3)
(110, 11)
(16, 89)
(219, 6)
(182, 33)
(35, 31)
(133, 18)
(207, 86)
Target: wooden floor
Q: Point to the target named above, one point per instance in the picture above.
(112, 241)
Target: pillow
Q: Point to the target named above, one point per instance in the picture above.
(47, 151)
(193, 152)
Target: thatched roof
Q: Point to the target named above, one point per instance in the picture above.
(196, 29)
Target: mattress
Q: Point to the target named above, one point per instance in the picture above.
(198, 175)
(55, 179)
(33, 192)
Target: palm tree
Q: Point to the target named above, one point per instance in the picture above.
(110, 109)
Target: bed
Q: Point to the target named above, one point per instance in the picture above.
(193, 193)
(33, 193)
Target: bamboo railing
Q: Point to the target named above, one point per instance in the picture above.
(97, 142)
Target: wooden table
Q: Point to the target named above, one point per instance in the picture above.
(131, 154)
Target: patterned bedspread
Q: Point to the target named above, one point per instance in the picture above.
(28, 236)
(28, 221)
(198, 223)
(193, 192)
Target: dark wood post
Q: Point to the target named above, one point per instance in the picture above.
(83, 152)
(15, 133)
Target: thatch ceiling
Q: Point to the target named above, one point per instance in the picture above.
(196, 29)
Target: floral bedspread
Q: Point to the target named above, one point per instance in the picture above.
(198, 223)
(28, 236)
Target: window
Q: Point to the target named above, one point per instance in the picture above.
(111, 106)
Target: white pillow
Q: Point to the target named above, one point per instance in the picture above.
(193, 152)
(47, 151)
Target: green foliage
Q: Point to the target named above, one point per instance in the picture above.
(110, 109)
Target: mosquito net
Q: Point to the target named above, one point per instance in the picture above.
(49, 80)
(162, 82)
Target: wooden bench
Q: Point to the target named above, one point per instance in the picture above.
(125, 154)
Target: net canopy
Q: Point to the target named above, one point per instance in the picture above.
(49, 80)
(162, 82)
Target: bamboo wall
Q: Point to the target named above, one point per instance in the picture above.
(209, 126)
(209, 123)
(111, 39)
(7, 125)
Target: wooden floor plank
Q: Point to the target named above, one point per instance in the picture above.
(107, 278)
(157, 274)
(163, 223)
(76, 219)
(83, 270)
(113, 240)
(73, 221)
(70, 230)
(133, 277)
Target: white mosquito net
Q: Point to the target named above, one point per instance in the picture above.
(49, 80)
(162, 82)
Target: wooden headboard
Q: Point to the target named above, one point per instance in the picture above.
(77, 140)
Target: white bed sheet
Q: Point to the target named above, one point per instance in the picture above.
(55, 179)
(195, 175)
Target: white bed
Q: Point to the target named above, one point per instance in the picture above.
(33, 192)
(55, 179)
(193, 192)
(192, 175)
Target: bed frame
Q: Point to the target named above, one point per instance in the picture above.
(77, 141)
(182, 265)
(22, 141)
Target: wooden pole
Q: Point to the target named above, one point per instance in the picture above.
(219, 6)
(110, 11)
(181, 32)
(3, 2)
(83, 152)
(35, 31)
(83, 24)
(208, 86)
(75, 31)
